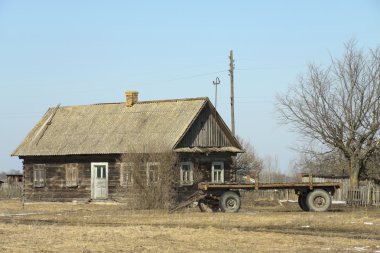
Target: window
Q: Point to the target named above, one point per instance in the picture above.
(217, 172)
(101, 171)
(39, 175)
(152, 169)
(186, 173)
(126, 176)
(71, 174)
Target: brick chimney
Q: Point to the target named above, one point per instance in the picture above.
(131, 98)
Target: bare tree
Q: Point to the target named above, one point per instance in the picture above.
(271, 172)
(372, 167)
(339, 106)
(248, 163)
(331, 163)
(153, 175)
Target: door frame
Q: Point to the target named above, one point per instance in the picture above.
(93, 179)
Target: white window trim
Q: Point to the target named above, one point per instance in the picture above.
(99, 164)
(128, 175)
(148, 165)
(222, 172)
(191, 166)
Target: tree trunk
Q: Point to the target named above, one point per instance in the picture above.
(354, 169)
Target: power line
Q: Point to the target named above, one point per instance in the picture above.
(270, 67)
(181, 78)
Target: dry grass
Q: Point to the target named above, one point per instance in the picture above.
(49, 227)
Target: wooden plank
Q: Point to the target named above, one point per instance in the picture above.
(264, 186)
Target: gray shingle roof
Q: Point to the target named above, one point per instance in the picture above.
(152, 126)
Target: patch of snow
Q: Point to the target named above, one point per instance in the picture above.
(361, 248)
(368, 223)
(339, 202)
(288, 201)
(305, 226)
(16, 214)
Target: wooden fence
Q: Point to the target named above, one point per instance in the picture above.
(376, 196)
(288, 195)
(11, 190)
(364, 196)
(361, 196)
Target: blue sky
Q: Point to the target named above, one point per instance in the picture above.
(84, 52)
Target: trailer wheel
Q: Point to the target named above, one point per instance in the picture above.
(318, 200)
(206, 207)
(229, 202)
(302, 202)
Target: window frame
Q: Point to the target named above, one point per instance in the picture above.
(126, 173)
(191, 175)
(213, 170)
(39, 172)
(72, 174)
(156, 177)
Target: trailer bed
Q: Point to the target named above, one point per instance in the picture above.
(205, 186)
(226, 196)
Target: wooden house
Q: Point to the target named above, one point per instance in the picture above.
(74, 151)
(14, 179)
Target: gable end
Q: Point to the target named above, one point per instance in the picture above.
(208, 130)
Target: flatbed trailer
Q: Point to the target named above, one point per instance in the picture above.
(226, 196)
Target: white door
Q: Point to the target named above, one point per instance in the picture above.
(99, 180)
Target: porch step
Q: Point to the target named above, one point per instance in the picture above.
(196, 196)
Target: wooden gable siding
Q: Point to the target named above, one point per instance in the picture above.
(205, 132)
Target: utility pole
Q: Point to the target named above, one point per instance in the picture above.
(232, 66)
(216, 82)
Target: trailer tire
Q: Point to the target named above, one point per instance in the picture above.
(318, 200)
(229, 202)
(206, 207)
(302, 202)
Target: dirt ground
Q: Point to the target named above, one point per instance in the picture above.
(111, 227)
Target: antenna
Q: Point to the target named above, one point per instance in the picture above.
(216, 83)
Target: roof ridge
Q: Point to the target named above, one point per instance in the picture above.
(171, 100)
(144, 102)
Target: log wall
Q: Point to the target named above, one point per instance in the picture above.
(55, 188)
